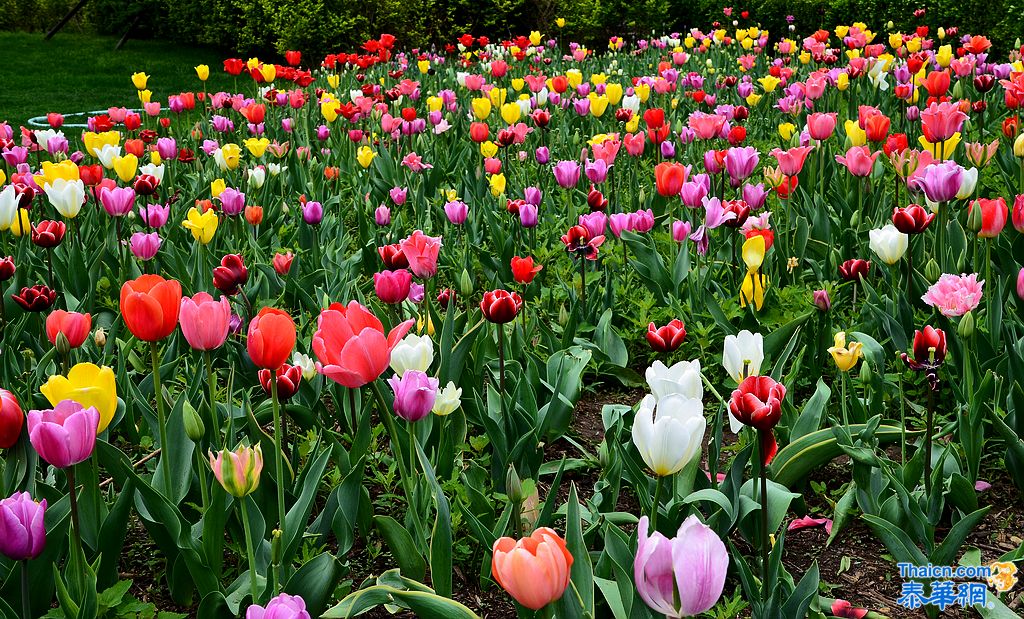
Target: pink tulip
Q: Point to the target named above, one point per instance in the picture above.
(955, 295)
(415, 393)
(144, 246)
(392, 286)
(858, 160)
(117, 202)
(422, 251)
(821, 125)
(64, 435)
(682, 576)
(351, 346)
(205, 322)
(22, 527)
(740, 163)
(791, 161)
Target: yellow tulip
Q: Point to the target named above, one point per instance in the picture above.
(52, 171)
(747, 44)
(252, 63)
(269, 72)
(560, 22)
(201, 225)
(232, 154)
(598, 104)
(535, 38)
(845, 357)
(944, 56)
(3, 178)
(614, 93)
(139, 80)
(753, 99)
(333, 80)
(895, 40)
(769, 82)
(945, 150)
(497, 183)
(842, 31)
(89, 385)
(365, 156)
(643, 91)
(753, 252)
(510, 112)
(95, 141)
(574, 77)
(21, 224)
(518, 83)
(434, 104)
(202, 72)
(217, 187)
(481, 107)
(423, 66)
(786, 131)
(257, 146)
(497, 96)
(855, 136)
(488, 149)
(843, 81)
(633, 124)
(126, 166)
(805, 58)
(598, 78)
(145, 96)
(154, 158)
(914, 45)
(689, 41)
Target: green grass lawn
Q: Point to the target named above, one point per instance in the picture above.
(77, 73)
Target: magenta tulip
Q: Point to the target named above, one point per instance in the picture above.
(392, 287)
(415, 393)
(682, 576)
(64, 435)
(22, 527)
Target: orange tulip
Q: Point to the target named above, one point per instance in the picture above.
(535, 569)
(150, 305)
(271, 338)
(669, 178)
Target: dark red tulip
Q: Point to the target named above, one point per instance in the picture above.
(913, 219)
(929, 349)
(393, 257)
(231, 275)
(500, 306)
(289, 377)
(667, 338)
(146, 184)
(854, 269)
(7, 268)
(38, 298)
(48, 233)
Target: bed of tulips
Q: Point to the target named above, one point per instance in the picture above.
(355, 303)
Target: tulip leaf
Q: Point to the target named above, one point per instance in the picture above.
(806, 590)
(314, 582)
(712, 496)
(425, 604)
(441, 535)
(402, 546)
(112, 535)
(896, 540)
(797, 459)
(610, 591)
(810, 418)
(582, 572)
(298, 515)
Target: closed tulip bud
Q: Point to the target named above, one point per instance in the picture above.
(238, 471)
(99, 337)
(194, 427)
(1018, 146)
(513, 485)
(62, 345)
(465, 284)
(966, 327)
(974, 219)
(865, 373)
(932, 271)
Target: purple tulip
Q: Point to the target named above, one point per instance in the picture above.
(594, 223)
(619, 222)
(222, 124)
(528, 215)
(415, 393)
(682, 576)
(232, 202)
(322, 133)
(382, 216)
(567, 173)
(144, 246)
(542, 155)
(117, 202)
(64, 435)
(57, 144)
(533, 195)
(822, 300)
(693, 192)
(416, 293)
(754, 195)
(398, 195)
(457, 211)
(312, 213)
(711, 162)
(167, 148)
(288, 125)
(668, 149)
(940, 181)
(284, 606)
(740, 163)
(680, 230)
(154, 215)
(642, 221)
(22, 527)
(597, 171)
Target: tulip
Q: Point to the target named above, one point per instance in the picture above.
(854, 269)
(740, 163)
(888, 243)
(822, 300)
(859, 160)
(993, 216)
(283, 606)
(88, 384)
(821, 126)
(845, 357)
(682, 576)
(500, 306)
(683, 378)
(287, 377)
(64, 435)
(567, 173)
(668, 432)
(667, 338)
(382, 216)
(271, 338)
(150, 305)
(742, 355)
(1020, 284)
(238, 471)
(11, 420)
(204, 321)
(38, 298)
(448, 400)
(534, 570)
(413, 352)
(524, 270)
(955, 295)
(145, 246)
(456, 211)
(201, 225)
(232, 201)
(940, 121)
(312, 213)
(351, 345)
(415, 394)
(669, 178)
(941, 181)
(230, 275)
(48, 234)
(66, 196)
(283, 262)
(913, 219)
(757, 402)
(22, 527)
(968, 181)
(791, 161)
(154, 215)
(392, 287)
(422, 251)
(73, 326)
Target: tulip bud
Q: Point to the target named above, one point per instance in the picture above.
(865, 372)
(974, 219)
(563, 315)
(1020, 284)
(100, 338)
(466, 284)
(932, 271)
(513, 485)
(855, 219)
(194, 427)
(966, 326)
(604, 457)
(275, 547)
(62, 344)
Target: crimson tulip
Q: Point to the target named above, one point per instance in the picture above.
(271, 338)
(667, 338)
(500, 306)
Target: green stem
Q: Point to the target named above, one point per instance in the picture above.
(249, 550)
(929, 421)
(765, 541)
(656, 503)
(846, 418)
(76, 527)
(161, 416)
(201, 474)
(26, 605)
(211, 384)
(279, 465)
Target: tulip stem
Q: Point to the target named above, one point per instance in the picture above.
(26, 604)
(656, 503)
(211, 385)
(929, 421)
(76, 528)
(765, 543)
(501, 367)
(249, 550)
(279, 466)
(161, 418)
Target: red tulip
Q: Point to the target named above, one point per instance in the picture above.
(913, 219)
(392, 287)
(73, 325)
(993, 216)
(669, 178)
(271, 338)
(351, 346)
(11, 419)
(667, 338)
(150, 305)
(283, 262)
(929, 349)
(500, 306)
(231, 275)
(757, 402)
(524, 270)
(393, 257)
(288, 379)
(7, 268)
(48, 233)
(38, 298)
(854, 269)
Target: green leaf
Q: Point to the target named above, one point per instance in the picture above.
(896, 540)
(402, 546)
(315, 582)
(796, 460)
(423, 604)
(582, 573)
(441, 534)
(810, 418)
(612, 597)
(946, 551)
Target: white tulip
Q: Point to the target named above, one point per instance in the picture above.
(8, 207)
(968, 180)
(682, 378)
(447, 400)
(257, 176)
(888, 243)
(306, 364)
(106, 154)
(66, 196)
(745, 349)
(670, 439)
(154, 170)
(631, 102)
(414, 352)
